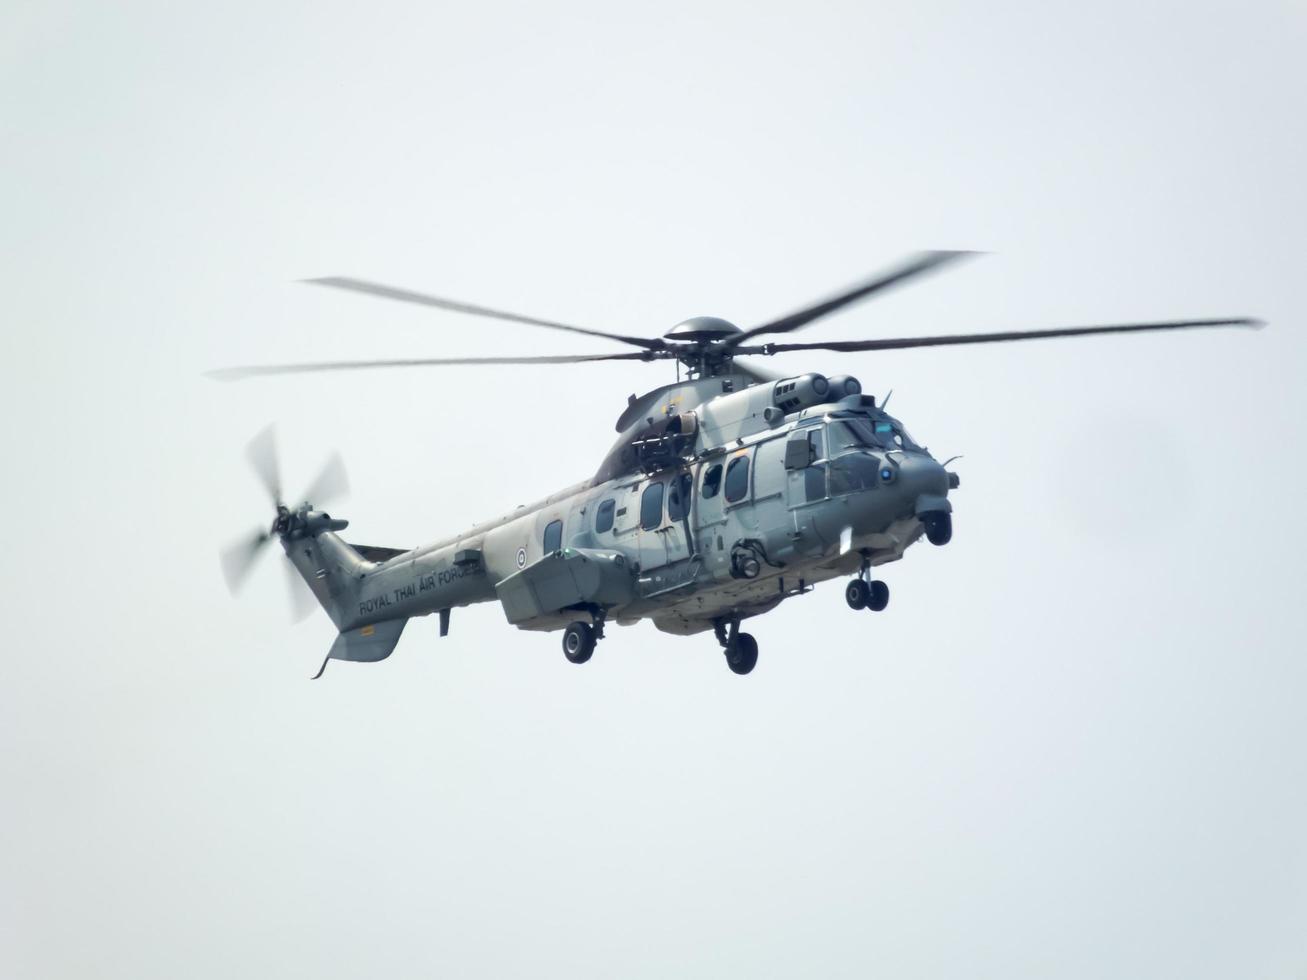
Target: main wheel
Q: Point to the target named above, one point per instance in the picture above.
(578, 642)
(939, 526)
(877, 596)
(856, 594)
(742, 655)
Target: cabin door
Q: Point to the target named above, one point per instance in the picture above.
(807, 491)
(664, 535)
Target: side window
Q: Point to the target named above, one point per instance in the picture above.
(651, 506)
(737, 479)
(678, 497)
(712, 481)
(553, 536)
(604, 517)
(814, 482)
(818, 443)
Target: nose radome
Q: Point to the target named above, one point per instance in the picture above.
(921, 476)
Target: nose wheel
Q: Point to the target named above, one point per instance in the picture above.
(864, 594)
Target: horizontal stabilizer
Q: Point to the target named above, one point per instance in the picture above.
(371, 552)
(368, 644)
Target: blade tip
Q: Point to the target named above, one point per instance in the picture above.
(225, 374)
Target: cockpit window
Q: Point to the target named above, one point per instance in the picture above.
(553, 537)
(817, 444)
(852, 473)
(890, 432)
(860, 433)
(855, 433)
(604, 517)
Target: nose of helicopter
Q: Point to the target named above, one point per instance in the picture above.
(918, 476)
(923, 486)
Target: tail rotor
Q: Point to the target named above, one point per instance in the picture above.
(239, 558)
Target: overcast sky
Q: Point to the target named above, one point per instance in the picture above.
(1074, 746)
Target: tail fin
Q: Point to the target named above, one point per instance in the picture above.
(334, 571)
(331, 568)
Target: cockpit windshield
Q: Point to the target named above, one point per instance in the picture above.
(859, 432)
(854, 433)
(895, 433)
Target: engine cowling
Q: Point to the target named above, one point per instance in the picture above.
(843, 385)
(791, 394)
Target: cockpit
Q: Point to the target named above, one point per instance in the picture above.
(849, 431)
(851, 451)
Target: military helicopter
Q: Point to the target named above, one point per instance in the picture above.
(726, 493)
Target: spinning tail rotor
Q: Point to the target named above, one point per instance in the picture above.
(239, 557)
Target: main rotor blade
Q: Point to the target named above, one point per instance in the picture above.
(331, 483)
(760, 375)
(849, 346)
(423, 299)
(262, 454)
(238, 373)
(238, 558)
(917, 265)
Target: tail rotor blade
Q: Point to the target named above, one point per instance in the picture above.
(238, 558)
(262, 454)
(332, 483)
(302, 599)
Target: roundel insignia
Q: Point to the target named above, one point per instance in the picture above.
(521, 558)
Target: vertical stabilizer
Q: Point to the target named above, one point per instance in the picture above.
(332, 570)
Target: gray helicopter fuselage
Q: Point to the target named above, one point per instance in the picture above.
(743, 495)
(725, 493)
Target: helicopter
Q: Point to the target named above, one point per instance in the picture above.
(726, 492)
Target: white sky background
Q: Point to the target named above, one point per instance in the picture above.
(1073, 746)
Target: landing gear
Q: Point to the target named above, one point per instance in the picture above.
(862, 593)
(878, 597)
(578, 642)
(939, 527)
(742, 655)
(741, 649)
(856, 594)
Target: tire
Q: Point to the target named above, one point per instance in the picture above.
(742, 655)
(939, 527)
(877, 596)
(857, 593)
(578, 642)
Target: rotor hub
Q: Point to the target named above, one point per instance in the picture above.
(702, 329)
(284, 521)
